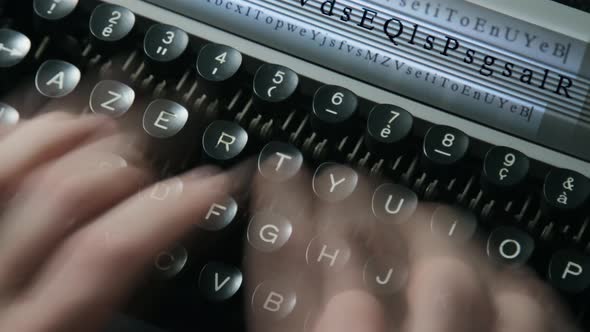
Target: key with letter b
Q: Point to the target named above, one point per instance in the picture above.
(388, 128)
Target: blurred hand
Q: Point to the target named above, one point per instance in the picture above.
(78, 224)
(81, 220)
(342, 270)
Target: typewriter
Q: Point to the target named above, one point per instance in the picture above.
(481, 105)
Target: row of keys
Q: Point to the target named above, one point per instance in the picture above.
(568, 270)
(504, 169)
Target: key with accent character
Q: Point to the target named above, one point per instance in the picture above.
(565, 191)
(504, 172)
(111, 26)
(388, 129)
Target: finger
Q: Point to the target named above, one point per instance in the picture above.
(345, 240)
(524, 303)
(61, 204)
(95, 268)
(446, 295)
(43, 139)
(353, 310)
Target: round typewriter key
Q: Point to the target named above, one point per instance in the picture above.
(220, 214)
(111, 23)
(279, 161)
(8, 115)
(169, 263)
(56, 78)
(165, 43)
(164, 118)
(445, 146)
(14, 48)
(510, 245)
(565, 190)
(53, 10)
(219, 281)
(333, 107)
(224, 140)
(218, 63)
(388, 127)
(272, 301)
(387, 274)
(268, 231)
(275, 83)
(570, 271)
(504, 169)
(111, 98)
(393, 203)
(328, 252)
(457, 224)
(334, 182)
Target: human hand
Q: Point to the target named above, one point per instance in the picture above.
(81, 220)
(321, 261)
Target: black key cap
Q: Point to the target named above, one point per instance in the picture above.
(393, 203)
(15, 58)
(55, 17)
(14, 48)
(569, 271)
(54, 10)
(333, 110)
(8, 115)
(110, 27)
(224, 140)
(504, 171)
(565, 191)
(274, 86)
(57, 79)
(510, 246)
(165, 47)
(334, 182)
(388, 128)
(220, 214)
(444, 148)
(457, 224)
(219, 281)
(279, 161)
(169, 263)
(164, 118)
(268, 231)
(111, 98)
(219, 66)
